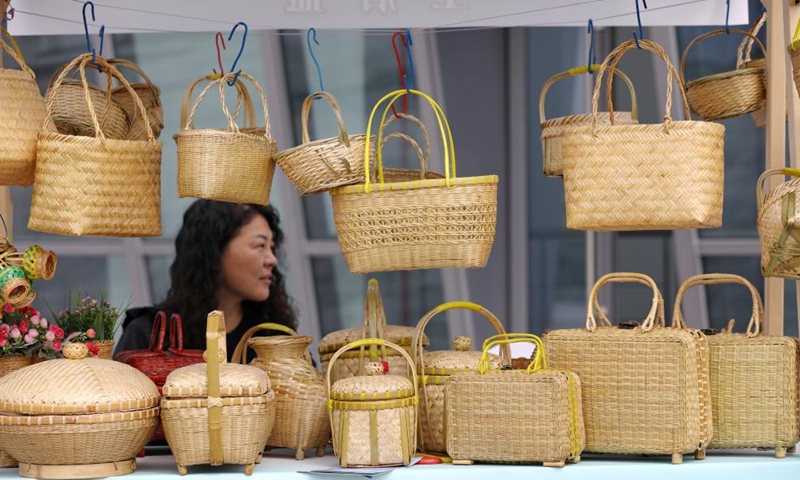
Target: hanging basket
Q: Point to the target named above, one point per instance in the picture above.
(447, 223)
(728, 94)
(643, 177)
(553, 129)
(391, 175)
(97, 185)
(778, 225)
(149, 94)
(745, 60)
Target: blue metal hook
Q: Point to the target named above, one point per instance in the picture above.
(309, 33)
(86, 31)
(410, 79)
(238, 55)
(592, 57)
(728, 14)
(639, 20)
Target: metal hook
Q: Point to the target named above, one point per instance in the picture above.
(592, 57)
(309, 33)
(10, 14)
(639, 20)
(219, 38)
(409, 81)
(727, 16)
(86, 31)
(400, 70)
(241, 49)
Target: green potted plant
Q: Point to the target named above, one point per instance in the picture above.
(93, 322)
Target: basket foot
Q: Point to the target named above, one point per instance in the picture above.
(248, 469)
(182, 470)
(700, 454)
(792, 449)
(555, 464)
(96, 470)
(320, 452)
(259, 458)
(575, 459)
(780, 452)
(462, 462)
(299, 454)
(677, 458)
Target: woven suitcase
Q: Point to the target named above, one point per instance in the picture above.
(645, 387)
(510, 416)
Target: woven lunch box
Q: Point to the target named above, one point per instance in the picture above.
(97, 185)
(728, 94)
(423, 153)
(301, 413)
(233, 164)
(316, 166)
(435, 223)
(217, 413)
(744, 59)
(661, 373)
(434, 369)
(8, 364)
(373, 417)
(643, 177)
(148, 93)
(352, 363)
(777, 216)
(754, 378)
(512, 416)
(76, 417)
(21, 120)
(553, 129)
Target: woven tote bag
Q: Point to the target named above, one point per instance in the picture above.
(149, 94)
(744, 59)
(553, 129)
(778, 234)
(391, 175)
(447, 223)
(728, 94)
(21, 118)
(319, 165)
(233, 164)
(643, 177)
(754, 378)
(96, 185)
(661, 374)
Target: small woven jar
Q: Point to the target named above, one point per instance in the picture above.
(39, 263)
(15, 288)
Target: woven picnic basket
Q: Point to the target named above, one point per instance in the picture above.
(217, 413)
(391, 175)
(511, 416)
(373, 417)
(661, 373)
(754, 378)
(148, 93)
(553, 129)
(351, 363)
(434, 369)
(232, 164)
(319, 165)
(76, 417)
(301, 413)
(744, 59)
(643, 177)
(777, 216)
(8, 364)
(96, 185)
(435, 223)
(21, 118)
(727, 94)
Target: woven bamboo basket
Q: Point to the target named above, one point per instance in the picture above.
(8, 364)
(301, 413)
(754, 378)
(217, 413)
(728, 94)
(351, 363)
(96, 185)
(373, 418)
(21, 120)
(448, 223)
(148, 93)
(777, 216)
(659, 372)
(643, 177)
(744, 59)
(391, 175)
(106, 351)
(434, 369)
(230, 164)
(553, 129)
(514, 416)
(76, 417)
(316, 166)
(794, 55)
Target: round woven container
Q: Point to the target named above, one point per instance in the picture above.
(148, 93)
(780, 248)
(106, 349)
(21, 118)
(729, 94)
(8, 364)
(402, 174)
(316, 166)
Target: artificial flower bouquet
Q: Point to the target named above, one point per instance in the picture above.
(23, 330)
(91, 321)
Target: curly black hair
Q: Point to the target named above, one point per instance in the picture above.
(207, 228)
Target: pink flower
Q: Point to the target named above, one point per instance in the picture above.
(3, 341)
(15, 334)
(35, 319)
(28, 339)
(43, 322)
(23, 325)
(33, 333)
(57, 346)
(4, 327)
(8, 308)
(50, 336)
(59, 333)
(91, 333)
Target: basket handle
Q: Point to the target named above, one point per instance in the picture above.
(715, 33)
(240, 353)
(655, 316)
(159, 327)
(242, 99)
(794, 172)
(175, 333)
(121, 62)
(756, 317)
(743, 53)
(374, 323)
(580, 71)
(222, 82)
(15, 53)
(423, 156)
(344, 139)
(538, 363)
(216, 353)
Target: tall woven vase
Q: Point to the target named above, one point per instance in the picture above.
(643, 177)
(8, 364)
(778, 225)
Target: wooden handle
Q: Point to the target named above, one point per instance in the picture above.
(216, 353)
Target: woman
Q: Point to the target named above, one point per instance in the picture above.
(225, 259)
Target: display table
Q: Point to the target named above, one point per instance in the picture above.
(281, 465)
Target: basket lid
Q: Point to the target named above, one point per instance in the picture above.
(372, 387)
(461, 359)
(63, 386)
(396, 334)
(234, 381)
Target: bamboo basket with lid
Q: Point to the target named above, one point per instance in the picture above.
(373, 417)
(754, 378)
(217, 413)
(76, 417)
(352, 362)
(301, 413)
(434, 369)
(8, 364)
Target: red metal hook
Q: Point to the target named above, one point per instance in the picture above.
(217, 39)
(400, 70)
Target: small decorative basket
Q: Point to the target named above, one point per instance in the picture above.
(373, 418)
(553, 129)
(391, 175)
(778, 226)
(316, 166)
(217, 413)
(148, 93)
(728, 94)
(513, 416)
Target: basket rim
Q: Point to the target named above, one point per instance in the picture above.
(46, 136)
(566, 120)
(731, 74)
(192, 132)
(372, 396)
(416, 185)
(175, 403)
(284, 155)
(89, 419)
(672, 125)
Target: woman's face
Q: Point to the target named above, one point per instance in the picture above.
(247, 262)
